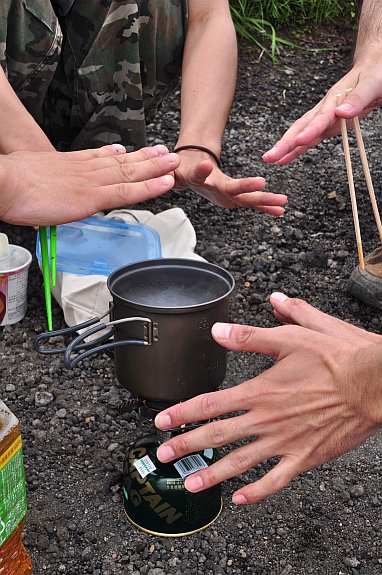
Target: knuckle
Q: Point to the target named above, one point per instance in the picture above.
(128, 171)
(182, 444)
(209, 405)
(275, 483)
(216, 434)
(240, 461)
(296, 303)
(244, 334)
(121, 191)
(178, 416)
(283, 474)
(211, 476)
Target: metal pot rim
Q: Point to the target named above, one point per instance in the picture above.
(173, 263)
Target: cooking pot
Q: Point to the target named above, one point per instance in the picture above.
(165, 308)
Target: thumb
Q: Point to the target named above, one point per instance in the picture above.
(358, 102)
(269, 341)
(299, 312)
(200, 173)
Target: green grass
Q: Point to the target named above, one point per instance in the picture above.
(260, 21)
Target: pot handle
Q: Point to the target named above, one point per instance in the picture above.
(78, 344)
(68, 331)
(149, 335)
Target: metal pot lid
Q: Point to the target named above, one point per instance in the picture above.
(170, 284)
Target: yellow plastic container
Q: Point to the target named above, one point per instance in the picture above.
(14, 560)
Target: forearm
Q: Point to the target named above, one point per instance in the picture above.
(208, 74)
(19, 131)
(369, 37)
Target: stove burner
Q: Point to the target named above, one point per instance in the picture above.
(147, 408)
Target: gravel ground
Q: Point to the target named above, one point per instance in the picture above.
(327, 521)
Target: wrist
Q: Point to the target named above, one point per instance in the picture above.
(368, 375)
(5, 184)
(368, 54)
(198, 148)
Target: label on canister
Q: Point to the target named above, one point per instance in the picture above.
(14, 285)
(13, 502)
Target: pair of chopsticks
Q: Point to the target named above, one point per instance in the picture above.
(48, 264)
(365, 165)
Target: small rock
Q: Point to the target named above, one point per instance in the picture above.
(62, 533)
(87, 554)
(351, 561)
(357, 491)
(43, 398)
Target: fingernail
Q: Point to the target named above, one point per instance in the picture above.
(166, 181)
(221, 330)
(173, 158)
(269, 152)
(238, 499)
(165, 453)
(162, 421)
(161, 150)
(119, 148)
(279, 297)
(346, 107)
(193, 483)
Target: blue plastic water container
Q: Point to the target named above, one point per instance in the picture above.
(98, 246)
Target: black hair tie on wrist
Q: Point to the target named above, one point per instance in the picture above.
(202, 149)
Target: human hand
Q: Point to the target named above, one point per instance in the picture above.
(199, 173)
(323, 121)
(47, 188)
(321, 398)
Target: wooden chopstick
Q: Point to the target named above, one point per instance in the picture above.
(345, 141)
(365, 165)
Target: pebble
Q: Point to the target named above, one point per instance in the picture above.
(43, 398)
(87, 554)
(357, 491)
(351, 562)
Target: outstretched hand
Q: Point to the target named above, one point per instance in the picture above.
(321, 398)
(203, 177)
(323, 121)
(47, 188)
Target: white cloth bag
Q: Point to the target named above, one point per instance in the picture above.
(84, 297)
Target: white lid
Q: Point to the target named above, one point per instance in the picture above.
(4, 246)
(7, 420)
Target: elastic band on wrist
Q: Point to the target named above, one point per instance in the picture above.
(201, 149)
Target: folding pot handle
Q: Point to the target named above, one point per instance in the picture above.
(77, 343)
(102, 343)
(67, 331)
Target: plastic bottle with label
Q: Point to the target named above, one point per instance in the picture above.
(14, 560)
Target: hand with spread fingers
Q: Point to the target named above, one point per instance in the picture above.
(199, 173)
(321, 398)
(365, 80)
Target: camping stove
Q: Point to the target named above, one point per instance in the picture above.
(160, 333)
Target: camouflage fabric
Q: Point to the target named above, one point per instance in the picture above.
(96, 75)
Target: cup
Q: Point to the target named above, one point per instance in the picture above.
(14, 271)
